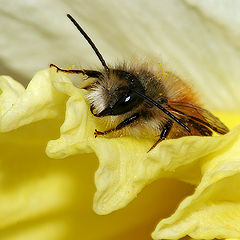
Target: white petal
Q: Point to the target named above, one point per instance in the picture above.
(199, 40)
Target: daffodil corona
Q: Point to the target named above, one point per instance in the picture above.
(212, 164)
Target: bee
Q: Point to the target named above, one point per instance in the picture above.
(142, 101)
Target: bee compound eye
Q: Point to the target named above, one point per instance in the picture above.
(126, 103)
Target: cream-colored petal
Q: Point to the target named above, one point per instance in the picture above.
(213, 211)
(198, 39)
(19, 107)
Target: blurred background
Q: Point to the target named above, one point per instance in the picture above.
(197, 40)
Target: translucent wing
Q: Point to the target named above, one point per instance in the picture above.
(198, 115)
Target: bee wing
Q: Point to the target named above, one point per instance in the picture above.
(198, 114)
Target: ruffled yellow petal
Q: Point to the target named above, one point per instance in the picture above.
(213, 211)
(125, 167)
(45, 198)
(19, 107)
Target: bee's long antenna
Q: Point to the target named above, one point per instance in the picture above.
(162, 109)
(89, 41)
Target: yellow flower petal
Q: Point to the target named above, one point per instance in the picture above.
(213, 211)
(125, 167)
(44, 198)
(19, 107)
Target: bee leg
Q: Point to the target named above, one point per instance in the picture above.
(121, 125)
(166, 129)
(89, 73)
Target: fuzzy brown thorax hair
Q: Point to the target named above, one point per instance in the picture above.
(161, 86)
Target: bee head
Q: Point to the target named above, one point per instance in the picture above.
(111, 97)
(114, 95)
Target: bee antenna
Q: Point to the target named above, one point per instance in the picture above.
(89, 41)
(162, 109)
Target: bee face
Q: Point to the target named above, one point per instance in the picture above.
(114, 95)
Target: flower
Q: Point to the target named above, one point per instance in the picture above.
(125, 168)
(47, 198)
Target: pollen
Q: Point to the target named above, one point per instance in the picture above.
(71, 67)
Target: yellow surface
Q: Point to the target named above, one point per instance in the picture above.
(50, 195)
(231, 119)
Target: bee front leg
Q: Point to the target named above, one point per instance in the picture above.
(120, 126)
(166, 129)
